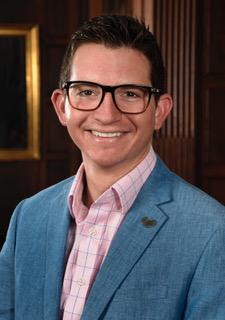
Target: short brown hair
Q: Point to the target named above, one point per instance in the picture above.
(117, 31)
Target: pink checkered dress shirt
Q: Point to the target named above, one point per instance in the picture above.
(95, 228)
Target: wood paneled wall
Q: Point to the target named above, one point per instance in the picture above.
(211, 78)
(175, 29)
(20, 179)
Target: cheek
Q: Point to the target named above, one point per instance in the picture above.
(74, 118)
(145, 122)
(75, 122)
(74, 133)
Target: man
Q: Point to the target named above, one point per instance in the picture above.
(126, 238)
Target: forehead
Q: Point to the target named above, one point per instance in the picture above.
(98, 63)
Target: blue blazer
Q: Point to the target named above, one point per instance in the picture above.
(167, 261)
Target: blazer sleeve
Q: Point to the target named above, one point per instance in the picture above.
(206, 298)
(7, 272)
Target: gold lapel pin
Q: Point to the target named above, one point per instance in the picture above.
(148, 223)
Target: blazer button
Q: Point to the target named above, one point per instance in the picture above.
(148, 223)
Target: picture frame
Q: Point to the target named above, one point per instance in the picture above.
(19, 92)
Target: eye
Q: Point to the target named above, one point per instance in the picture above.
(131, 94)
(83, 91)
(86, 92)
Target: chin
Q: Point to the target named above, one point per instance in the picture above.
(107, 163)
(106, 160)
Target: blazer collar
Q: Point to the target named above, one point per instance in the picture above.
(142, 223)
(56, 243)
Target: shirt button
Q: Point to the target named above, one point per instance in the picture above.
(92, 232)
(81, 282)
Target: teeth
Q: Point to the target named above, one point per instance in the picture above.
(106, 134)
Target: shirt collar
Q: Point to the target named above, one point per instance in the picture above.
(123, 192)
(129, 186)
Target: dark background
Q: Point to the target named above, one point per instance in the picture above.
(191, 35)
(13, 124)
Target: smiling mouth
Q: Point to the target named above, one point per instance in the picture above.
(106, 134)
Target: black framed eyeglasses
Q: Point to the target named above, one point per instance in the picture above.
(128, 98)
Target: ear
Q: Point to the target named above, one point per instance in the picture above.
(58, 100)
(163, 109)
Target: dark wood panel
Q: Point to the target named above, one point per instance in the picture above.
(6, 213)
(54, 57)
(19, 180)
(56, 136)
(178, 154)
(175, 29)
(211, 113)
(217, 35)
(216, 171)
(23, 11)
(215, 187)
(57, 17)
(57, 170)
(216, 126)
(117, 7)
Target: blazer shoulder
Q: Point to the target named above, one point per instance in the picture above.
(184, 195)
(43, 203)
(192, 195)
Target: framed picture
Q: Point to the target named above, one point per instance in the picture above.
(19, 92)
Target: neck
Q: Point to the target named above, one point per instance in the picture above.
(98, 180)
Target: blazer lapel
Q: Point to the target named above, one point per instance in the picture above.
(139, 228)
(56, 241)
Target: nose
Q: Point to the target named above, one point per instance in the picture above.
(107, 112)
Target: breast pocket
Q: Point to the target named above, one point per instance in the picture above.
(144, 292)
(146, 302)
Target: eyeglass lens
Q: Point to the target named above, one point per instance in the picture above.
(86, 96)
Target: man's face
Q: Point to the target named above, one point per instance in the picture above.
(106, 137)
